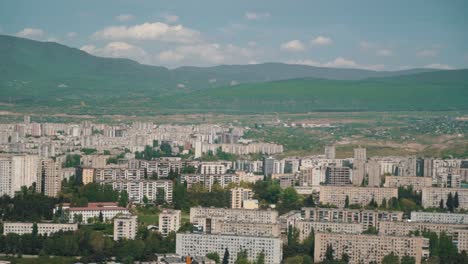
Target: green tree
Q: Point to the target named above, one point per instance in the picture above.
(345, 258)
(456, 202)
(309, 201)
(346, 202)
(123, 199)
(260, 258)
(441, 204)
(408, 260)
(329, 253)
(450, 202)
(242, 257)
(226, 256)
(213, 256)
(391, 259)
(289, 200)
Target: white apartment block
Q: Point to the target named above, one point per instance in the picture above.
(366, 218)
(138, 189)
(208, 180)
(336, 195)
(169, 221)
(439, 218)
(17, 171)
(125, 227)
(305, 227)
(209, 168)
(201, 244)
(247, 229)
(244, 149)
(405, 181)
(369, 248)
(235, 215)
(239, 195)
(404, 228)
(432, 196)
(93, 210)
(119, 174)
(42, 228)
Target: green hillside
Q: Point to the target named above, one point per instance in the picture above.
(447, 90)
(49, 77)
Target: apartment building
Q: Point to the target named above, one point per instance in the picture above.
(431, 196)
(338, 176)
(239, 195)
(197, 244)
(417, 183)
(439, 218)
(336, 195)
(306, 227)
(208, 180)
(247, 229)
(42, 228)
(404, 228)
(49, 179)
(369, 248)
(92, 211)
(209, 168)
(17, 171)
(125, 227)
(169, 221)
(138, 189)
(366, 218)
(94, 161)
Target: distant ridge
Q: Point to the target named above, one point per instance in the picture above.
(37, 74)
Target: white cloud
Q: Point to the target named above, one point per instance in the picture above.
(124, 17)
(384, 52)
(32, 33)
(206, 54)
(293, 45)
(170, 18)
(71, 34)
(439, 66)
(150, 31)
(249, 15)
(118, 49)
(365, 45)
(427, 53)
(321, 41)
(338, 62)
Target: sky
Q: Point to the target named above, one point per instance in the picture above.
(367, 34)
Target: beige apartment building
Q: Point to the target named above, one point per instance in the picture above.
(336, 195)
(305, 227)
(239, 195)
(49, 180)
(125, 227)
(431, 196)
(369, 248)
(404, 228)
(247, 229)
(405, 181)
(169, 221)
(210, 219)
(366, 218)
(42, 228)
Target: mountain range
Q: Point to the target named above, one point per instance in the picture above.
(45, 75)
